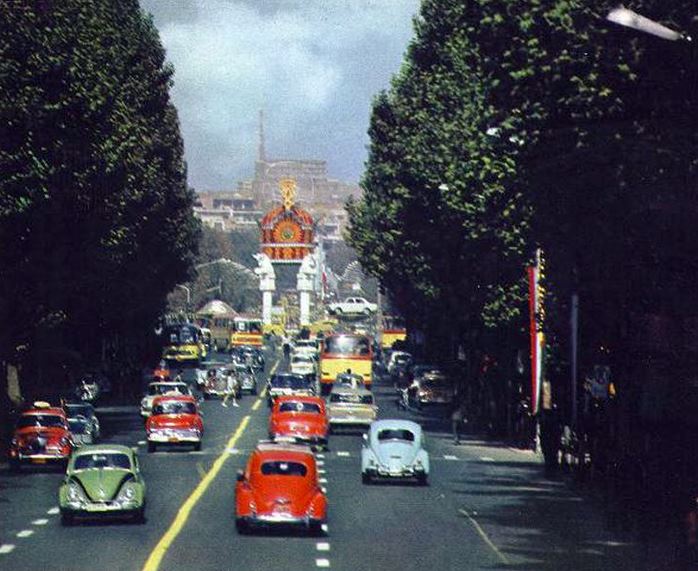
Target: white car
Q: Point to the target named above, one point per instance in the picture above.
(161, 388)
(302, 364)
(305, 347)
(394, 449)
(353, 305)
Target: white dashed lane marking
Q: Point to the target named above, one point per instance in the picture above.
(322, 562)
(320, 462)
(325, 527)
(53, 511)
(320, 455)
(450, 457)
(321, 471)
(6, 548)
(343, 453)
(41, 521)
(25, 533)
(486, 459)
(323, 546)
(324, 490)
(323, 480)
(141, 443)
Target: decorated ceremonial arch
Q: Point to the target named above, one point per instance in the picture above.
(287, 230)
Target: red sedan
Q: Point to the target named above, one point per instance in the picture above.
(175, 419)
(300, 419)
(280, 487)
(42, 435)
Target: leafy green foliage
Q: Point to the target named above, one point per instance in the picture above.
(95, 215)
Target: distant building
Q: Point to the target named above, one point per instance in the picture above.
(322, 196)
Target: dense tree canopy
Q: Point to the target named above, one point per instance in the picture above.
(95, 215)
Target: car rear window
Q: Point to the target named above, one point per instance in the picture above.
(350, 398)
(175, 407)
(396, 434)
(40, 421)
(116, 460)
(276, 468)
(299, 407)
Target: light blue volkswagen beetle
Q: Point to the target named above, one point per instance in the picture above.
(394, 449)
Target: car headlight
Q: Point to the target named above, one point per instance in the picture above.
(127, 493)
(75, 494)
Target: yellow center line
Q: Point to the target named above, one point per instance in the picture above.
(156, 556)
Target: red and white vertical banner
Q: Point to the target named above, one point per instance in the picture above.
(536, 316)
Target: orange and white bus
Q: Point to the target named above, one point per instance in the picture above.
(246, 331)
(344, 352)
(392, 330)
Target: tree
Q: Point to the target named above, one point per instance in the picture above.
(96, 219)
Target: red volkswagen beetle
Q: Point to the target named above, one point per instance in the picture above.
(175, 419)
(280, 487)
(299, 418)
(41, 436)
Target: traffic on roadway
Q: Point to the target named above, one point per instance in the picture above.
(287, 479)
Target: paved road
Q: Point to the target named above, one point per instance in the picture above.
(487, 507)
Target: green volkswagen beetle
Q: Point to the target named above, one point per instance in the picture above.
(102, 480)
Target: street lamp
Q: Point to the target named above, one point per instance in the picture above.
(629, 19)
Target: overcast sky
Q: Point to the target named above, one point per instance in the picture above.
(312, 65)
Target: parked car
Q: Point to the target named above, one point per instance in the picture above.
(157, 389)
(175, 419)
(394, 449)
(73, 410)
(289, 384)
(431, 388)
(102, 480)
(351, 407)
(41, 436)
(280, 487)
(299, 418)
(352, 306)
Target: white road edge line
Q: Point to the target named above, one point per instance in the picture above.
(41, 521)
(450, 457)
(322, 562)
(53, 511)
(323, 546)
(6, 548)
(485, 538)
(486, 459)
(25, 533)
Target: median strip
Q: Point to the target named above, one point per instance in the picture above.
(155, 558)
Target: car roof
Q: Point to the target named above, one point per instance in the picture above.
(269, 445)
(347, 390)
(48, 410)
(396, 423)
(284, 455)
(104, 448)
(174, 397)
(168, 383)
(295, 398)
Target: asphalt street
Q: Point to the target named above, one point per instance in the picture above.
(487, 507)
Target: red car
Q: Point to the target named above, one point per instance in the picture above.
(42, 435)
(299, 418)
(175, 419)
(280, 487)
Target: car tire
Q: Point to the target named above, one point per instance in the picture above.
(151, 446)
(315, 528)
(366, 478)
(423, 480)
(242, 527)
(67, 520)
(197, 446)
(253, 391)
(139, 517)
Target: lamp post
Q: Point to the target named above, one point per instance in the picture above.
(629, 19)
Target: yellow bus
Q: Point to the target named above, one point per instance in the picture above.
(183, 343)
(392, 330)
(246, 331)
(344, 352)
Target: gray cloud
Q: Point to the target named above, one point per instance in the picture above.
(313, 65)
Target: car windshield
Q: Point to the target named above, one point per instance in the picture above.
(289, 382)
(174, 407)
(401, 359)
(351, 398)
(395, 434)
(348, 379)
(79, 409)
(276, 468)
(299, 407)
(103, 460)
(436, 382)
(40, 420)
(77, 426)
(348, 345)
(161, 389)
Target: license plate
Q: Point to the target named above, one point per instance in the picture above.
(39, 460)
(173, 439)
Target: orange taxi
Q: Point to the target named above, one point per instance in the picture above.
(41, 436)
(174, 419)
(280, 487)
(300, 419)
